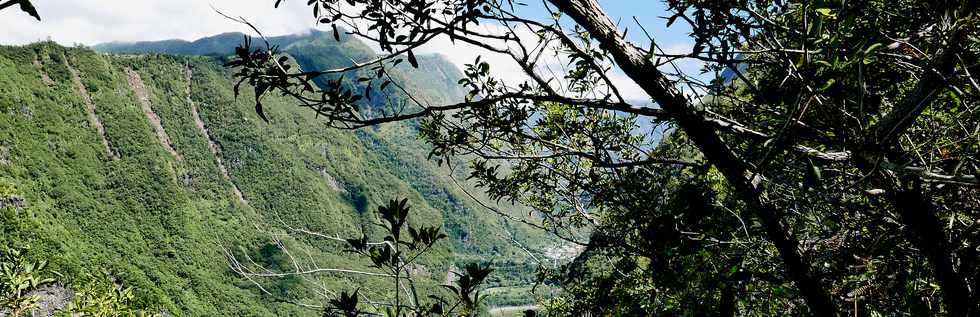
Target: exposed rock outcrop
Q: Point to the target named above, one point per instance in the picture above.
(53, 298)
(14, 201)
(331, 182)
(417, 270)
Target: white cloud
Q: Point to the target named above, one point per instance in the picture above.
(506, 69)
(461, 53)
(627, 87)
(91, 22)
(678, 48)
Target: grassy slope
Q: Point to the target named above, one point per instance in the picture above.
(159, 223)
(435, 81)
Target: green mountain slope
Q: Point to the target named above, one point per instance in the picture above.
(156, 189)
(434, 81)
(435, 78)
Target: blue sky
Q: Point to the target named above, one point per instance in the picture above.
(648, 12)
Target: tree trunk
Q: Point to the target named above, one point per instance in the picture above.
(925, 230)
(630, 59)
(917, 212)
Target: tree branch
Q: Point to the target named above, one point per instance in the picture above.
(590, 15)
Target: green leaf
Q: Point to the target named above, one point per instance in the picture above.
(872, 48)
(827, 85)
(869, 53)
(827, 12)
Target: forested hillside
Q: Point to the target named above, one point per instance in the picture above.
(149, 168)
(315, 50)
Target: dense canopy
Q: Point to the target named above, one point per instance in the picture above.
(825, 159)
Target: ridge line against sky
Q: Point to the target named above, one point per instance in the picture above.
(93, 22)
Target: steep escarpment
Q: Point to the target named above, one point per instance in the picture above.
(189, 73)
(93, 118)
(434, 82)
(140, 165)
(136, 84)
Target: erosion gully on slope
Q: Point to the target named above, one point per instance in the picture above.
(89, 107)
(136, 83)
(215, 150)
(44, 76)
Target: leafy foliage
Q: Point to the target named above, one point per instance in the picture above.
(19, 277)
(21, 280)
(392, 257)
(829, 163)
(157, 222)
(102, 295)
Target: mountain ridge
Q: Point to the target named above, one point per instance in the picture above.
(158, 222)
